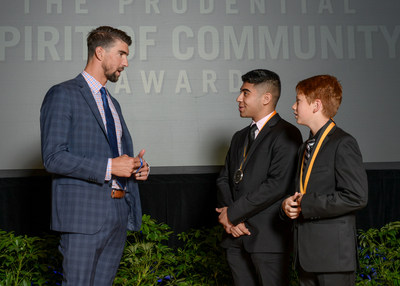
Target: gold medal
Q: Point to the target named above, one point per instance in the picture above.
(238, 176)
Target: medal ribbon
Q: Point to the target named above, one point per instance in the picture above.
(303, 189)
(245, 151)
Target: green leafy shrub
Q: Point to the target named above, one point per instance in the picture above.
(201, 261)
(147, 260)
(379, 255)
(25, 260)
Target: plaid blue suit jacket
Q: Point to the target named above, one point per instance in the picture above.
(75, 150)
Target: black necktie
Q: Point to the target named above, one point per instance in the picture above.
(310, 143)
(252, 135)
(111, 133)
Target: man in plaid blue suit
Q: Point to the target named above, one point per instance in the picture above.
(95, 196)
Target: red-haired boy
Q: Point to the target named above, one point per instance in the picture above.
(331, 184)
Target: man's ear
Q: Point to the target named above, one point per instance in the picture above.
(267, 98)
(99, 53)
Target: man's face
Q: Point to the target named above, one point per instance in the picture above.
(302, 110)
(115, 60)
(250, 101)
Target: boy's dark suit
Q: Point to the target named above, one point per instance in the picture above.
(268, 176)
(325, 232)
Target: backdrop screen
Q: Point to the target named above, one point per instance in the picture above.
(178, 94)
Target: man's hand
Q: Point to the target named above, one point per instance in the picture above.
(124, 166)
(235, 230)
(239, 230)
(292, 206)
(142, 170)
(223, 219)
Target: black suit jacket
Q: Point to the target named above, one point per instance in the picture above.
(325, 233)
(268, 176)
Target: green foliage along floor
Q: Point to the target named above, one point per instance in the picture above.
(147, 260)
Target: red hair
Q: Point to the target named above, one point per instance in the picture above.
(325, 88)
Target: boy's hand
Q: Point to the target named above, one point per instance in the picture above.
(292, 206)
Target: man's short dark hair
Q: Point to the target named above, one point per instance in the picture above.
(104, 37)
(262, 76)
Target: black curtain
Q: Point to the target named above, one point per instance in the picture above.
(182, 201)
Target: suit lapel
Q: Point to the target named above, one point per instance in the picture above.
(88, 96)
(126, 142)
(242, 142)
(260, 137)
(305, 170)
(328, 137)
(322, 146)
(326, 141)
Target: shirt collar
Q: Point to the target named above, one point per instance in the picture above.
(317, 135)
(94, 84)
(260, 123)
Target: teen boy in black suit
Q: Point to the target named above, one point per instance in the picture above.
(256, 177)
(331, 185)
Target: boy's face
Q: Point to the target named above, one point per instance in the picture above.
(303, 110)
(250, 101)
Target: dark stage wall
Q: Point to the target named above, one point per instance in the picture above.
(181, 201)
